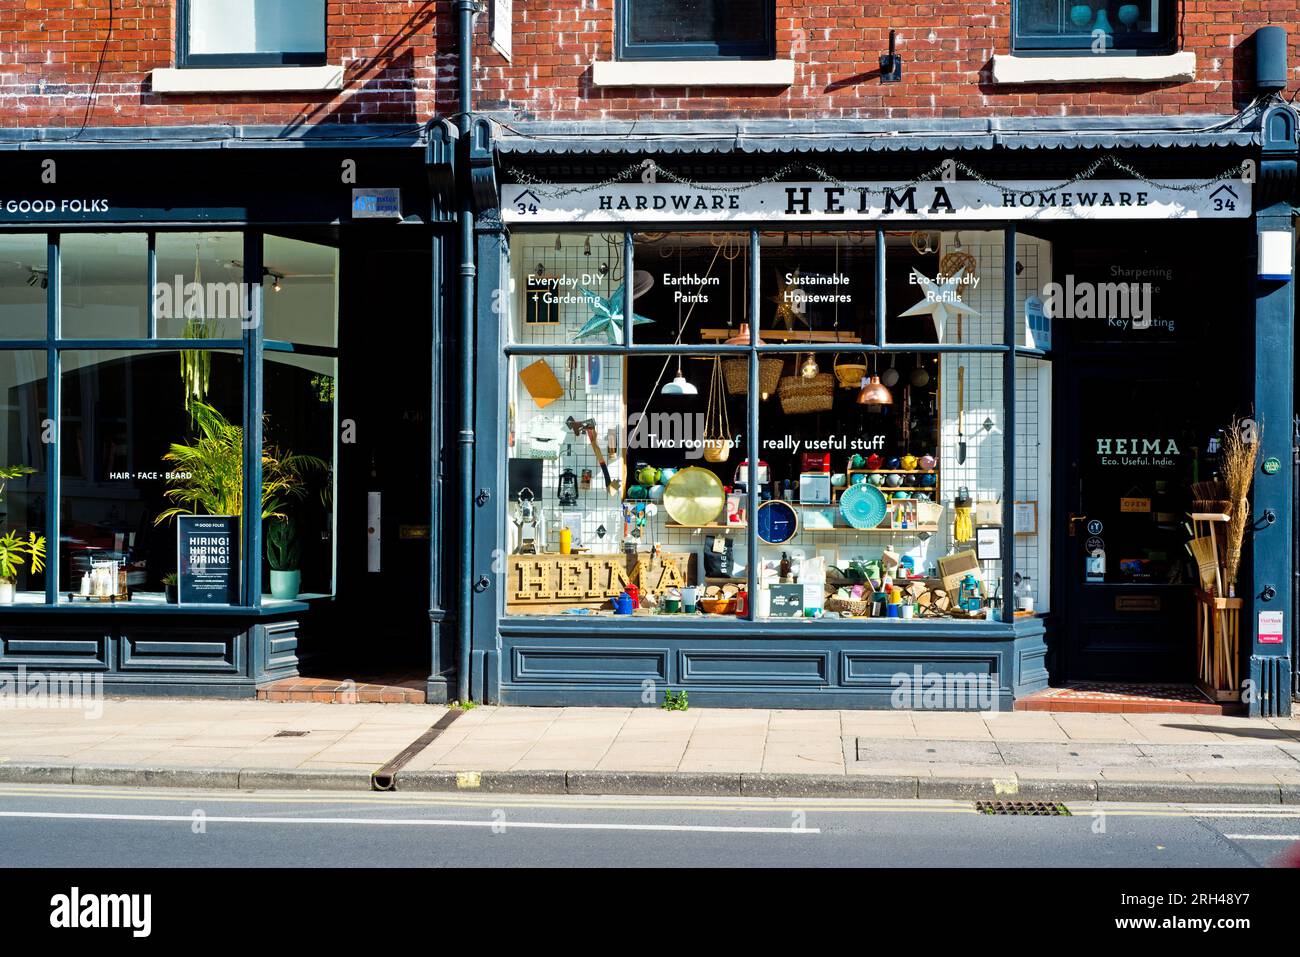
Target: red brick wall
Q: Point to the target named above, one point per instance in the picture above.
(50, 53)
(946, 47)
(399, 56)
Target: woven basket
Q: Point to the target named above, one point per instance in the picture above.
(717, 450)
(847, 606)
(736, 373)
(850, 374)
(800, 396)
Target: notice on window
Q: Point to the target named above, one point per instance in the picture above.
(208, 559)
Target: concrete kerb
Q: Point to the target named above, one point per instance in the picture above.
(1010, 787)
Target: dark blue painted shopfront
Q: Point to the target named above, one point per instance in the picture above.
(417, 402)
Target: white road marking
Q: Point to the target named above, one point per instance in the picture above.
(404, 822)
(1263, 837)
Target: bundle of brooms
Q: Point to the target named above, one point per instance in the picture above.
(1237, 455)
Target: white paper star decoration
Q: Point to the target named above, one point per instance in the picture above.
(941, 301)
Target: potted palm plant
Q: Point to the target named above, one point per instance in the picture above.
(171, 582)
(283, 552)
(14, 553)
(209, 471)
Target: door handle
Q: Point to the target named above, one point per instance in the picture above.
(1074, 521)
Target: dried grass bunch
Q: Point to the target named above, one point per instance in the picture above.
(1237, 456)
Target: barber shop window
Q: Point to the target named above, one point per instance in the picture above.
(251, 33)
(1094, 25)
(696, 29)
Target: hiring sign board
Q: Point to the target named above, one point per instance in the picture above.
(207, 569)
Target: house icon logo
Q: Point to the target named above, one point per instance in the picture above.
(1225, 188)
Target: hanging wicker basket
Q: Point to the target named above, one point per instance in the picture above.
(717, 422)
(800, 396)
(716, 450)
(850, 374)
(736, 373)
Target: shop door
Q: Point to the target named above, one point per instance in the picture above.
(1135, 439)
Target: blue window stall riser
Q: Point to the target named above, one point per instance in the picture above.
(1052, 411)
(267, 254)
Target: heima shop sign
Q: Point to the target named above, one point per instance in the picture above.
(938, 201)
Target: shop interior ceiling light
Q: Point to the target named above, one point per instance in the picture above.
(679, 386)
(874, 393)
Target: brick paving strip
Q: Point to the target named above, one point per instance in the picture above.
(645, 751)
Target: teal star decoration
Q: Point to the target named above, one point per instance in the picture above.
(607, 317)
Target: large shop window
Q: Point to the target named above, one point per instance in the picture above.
(879, 489)
(1094, 25)
(252, 32)
(696, 29)
(147, 424)
(145, 436)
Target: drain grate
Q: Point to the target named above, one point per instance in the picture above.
(291, 734)
(1023, 808)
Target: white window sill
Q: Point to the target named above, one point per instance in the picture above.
(1176, 67)
(279, 79)
(692, 72)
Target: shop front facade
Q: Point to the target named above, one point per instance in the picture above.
(173, 313)
(980, 386)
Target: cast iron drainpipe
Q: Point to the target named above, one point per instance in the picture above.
(465, 10)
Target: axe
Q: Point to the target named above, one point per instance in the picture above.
(588, 428)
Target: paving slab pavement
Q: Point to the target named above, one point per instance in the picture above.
(648, 750)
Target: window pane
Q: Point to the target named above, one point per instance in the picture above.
(574, 544)
(818, 288)
(105, 285)
(1117, 18)
(123, 412)
(944, 287)
(1033, 484)
(567, 288)
(22, 470)
(694, 288)
(200, 292)
(301, 401)
(861, 500)
(301, 291)
(24, 285)
(697, 21)
(256, 26)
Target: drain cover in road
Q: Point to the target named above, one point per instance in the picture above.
(1023, 808)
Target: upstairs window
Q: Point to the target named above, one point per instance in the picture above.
(696, 29)
(1091, 26)
(252, 33)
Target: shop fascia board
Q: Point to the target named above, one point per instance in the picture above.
(692, 73)
(1009, 69)
(276, 79)
(329, 136)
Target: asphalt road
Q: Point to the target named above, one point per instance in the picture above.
(84, 827)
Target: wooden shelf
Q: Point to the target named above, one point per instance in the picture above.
(784, 335)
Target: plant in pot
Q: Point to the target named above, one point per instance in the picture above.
(283, 553)
(171, 582)
(14, 553)
(209, 471)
